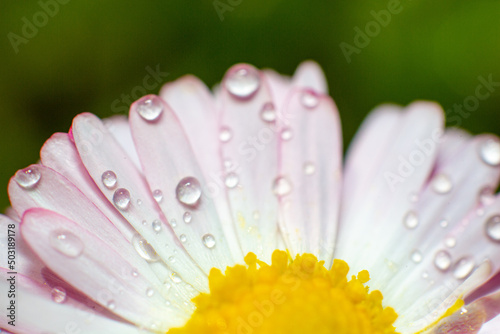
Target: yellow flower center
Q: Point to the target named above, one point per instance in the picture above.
(299, 296)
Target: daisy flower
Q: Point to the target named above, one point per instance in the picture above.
(232, 212)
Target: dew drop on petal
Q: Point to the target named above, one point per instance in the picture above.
(28, 177)
(135, 273)
(489, 151)
(156, 224)
(171, 259)
(442, 184)
(463, 267)
(58, 295)
(157, 195)
(121, 198)
(450, 242)
(281, 186)
(144, 249)
(231, 180)
(268, 112)
(286, 134)
(183, 238)
(486, 196)
(188, 191)
(187, 217)
(175, 278)
(413, 197)
(139, 202)
(173, 223)
(225, 134)
(111, 304)
(492, 228)
(410, 220)
(243, 83)
(442, 260)
(309, 99)
(150, 292)
(208, 240)
(66, 243)
(309, 168)
(443, 223)
(150, 108)
(416, 256)
(109, 179)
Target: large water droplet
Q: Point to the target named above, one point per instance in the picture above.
(441, 184)
(225, 134)
(442, 260)
(416, 256)
(208, 240)
(309, 168)
(121, 198)
(268, 112)
(58, 295)
(28, 177)
(243, 82)
(156, 224)
(309, 99)
(492, 228)
(144, 249)
(463, 267)
(282, 186)
(183, 238)
(109, 179)
(66, 243)
(286, 134)
(188, 191)
(157, 195)
(489, 151)
(150, 108)
(187, 217)
(410, 220)
(231, 180)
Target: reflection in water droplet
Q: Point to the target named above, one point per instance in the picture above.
(442, 260)
(109, 179)
(121, 198)
(187, 217)
(209, 240)
(29, 177)
(66, 243)
(188, 191)
(242, 83)
(144, 249)
(150, 108)
(183, 238)
(281, 186)
(463, 267)
(156, 224)
(58, 295)
(157, 195)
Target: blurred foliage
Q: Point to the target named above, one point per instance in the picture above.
(90, 52)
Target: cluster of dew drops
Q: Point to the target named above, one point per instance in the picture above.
(441, 184)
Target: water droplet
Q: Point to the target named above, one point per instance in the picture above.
(58, 295)
(150, 292)
(243, 82)
(227, 163)
(183, 238)
(268, 112)
(28, 177)
(281, 186)
(309, 99)
(175, 278)
(411, 220)
(66, 243)
(171, 259)
(486, 196)
(416, 256)
(139, 202)
(144, 222)
(121, 198)
(425, 275)
(231, 180)
(188, 191)
(463, 267)
(135, 273)
(441, 184)
(156, 224)
(450, 242)
(413, 197)
(225, 134)
(442, 260)
(492, 228)
(208, 240)
(173, 223)
(150, 108)
(489, 151)
(109, 179)
(286, 134)
(480, 212)
(111, 305)
(187, 217)
(443, 223)
(256, 215)
(309, 168)
(157, 195)
(144, 249)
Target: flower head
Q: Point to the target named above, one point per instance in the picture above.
(232, 212)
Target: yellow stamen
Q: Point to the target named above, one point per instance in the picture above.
(299, 296)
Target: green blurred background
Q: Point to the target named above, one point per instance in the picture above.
(89, 53)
